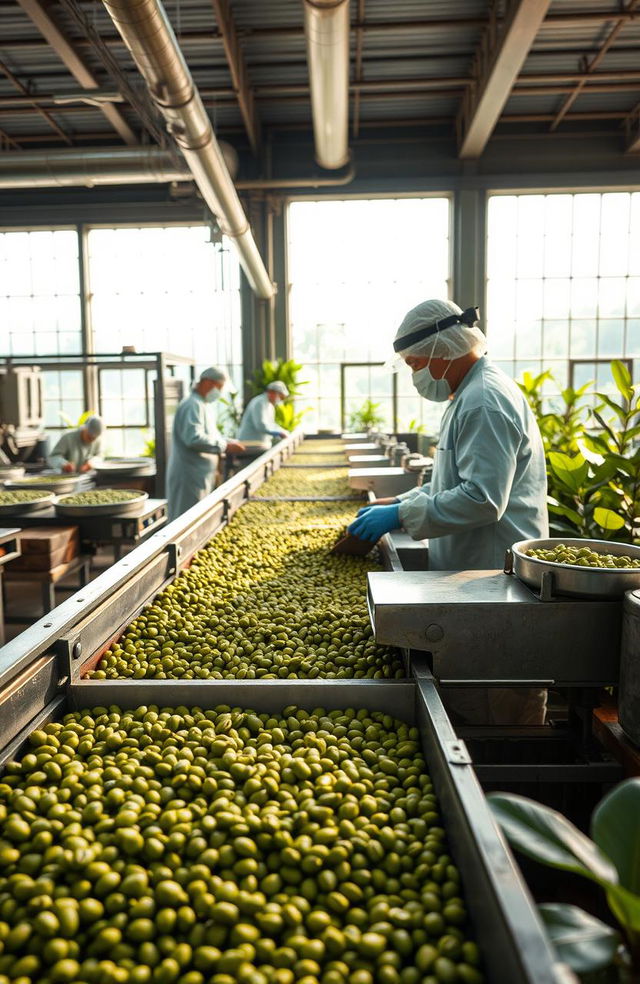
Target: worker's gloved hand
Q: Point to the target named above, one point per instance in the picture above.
(85, 468)
(376, 522)
(365, 509)
(68, 467)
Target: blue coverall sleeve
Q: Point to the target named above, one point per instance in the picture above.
(193, 433)
(485, 461)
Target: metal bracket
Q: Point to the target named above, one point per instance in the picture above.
(457, 753)
(69, 652)
(508, 561)
(546, 586)
(174, 550)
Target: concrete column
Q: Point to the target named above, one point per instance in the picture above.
(469, 249)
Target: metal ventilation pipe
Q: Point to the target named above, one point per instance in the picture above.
(326, 25)
(147, 33)
(76, 168)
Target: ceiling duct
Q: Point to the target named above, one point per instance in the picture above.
(147, 33)
(327, 32)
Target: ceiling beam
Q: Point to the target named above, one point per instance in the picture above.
(238, 70)
(501, 54)
(17, 84)
(35, 10)
(593, 63)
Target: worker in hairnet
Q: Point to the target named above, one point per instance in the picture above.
(79, 448)
(258, 423)
(196, 444)
(489, 484)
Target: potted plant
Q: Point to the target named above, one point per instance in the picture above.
(611, 859)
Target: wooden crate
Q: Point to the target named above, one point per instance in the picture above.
(45, 548)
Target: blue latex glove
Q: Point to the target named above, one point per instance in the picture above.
(365, 509)
(376, 522)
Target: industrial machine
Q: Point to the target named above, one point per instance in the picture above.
(21, 417)
(385, 466)
(41, 677)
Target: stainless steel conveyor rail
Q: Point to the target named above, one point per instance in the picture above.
(40, 681)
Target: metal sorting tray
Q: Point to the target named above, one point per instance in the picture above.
(12, 508)
(11, 473)
(503, 917)
(131, 467)
(129, 508)
(56, 483)
(579, 582)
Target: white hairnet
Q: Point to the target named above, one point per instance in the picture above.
(278, 387)
(449, 343)
(94, 426)
(213, 375)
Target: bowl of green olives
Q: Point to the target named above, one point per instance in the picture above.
(101, 502)
(581, 568)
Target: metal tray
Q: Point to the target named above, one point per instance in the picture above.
(11, 473)
(54, 483)
(579, 582)
(14, 508)
(130, 508)
(130, 467)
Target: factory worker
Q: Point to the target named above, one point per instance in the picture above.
(196, 444)
(79, 448)
(258, 422)
(489, 483)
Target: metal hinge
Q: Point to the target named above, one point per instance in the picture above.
(174, 550)
(457, 753)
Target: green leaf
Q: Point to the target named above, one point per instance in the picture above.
(587, 452)
(595, 443)
(546, 836)
(608, 519)
(616, 831)
(579, 939)
(560, 510)
(572, 472)
(622, 378)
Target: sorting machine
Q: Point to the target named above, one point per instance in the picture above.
(42, 676)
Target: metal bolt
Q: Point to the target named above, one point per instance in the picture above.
(434, 632)
(77, 650)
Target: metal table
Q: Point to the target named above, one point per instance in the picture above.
(117, 531)
(9, 550)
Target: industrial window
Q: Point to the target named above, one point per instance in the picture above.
(160, 289)
(563, 283)
(40, 311)
(355, 268)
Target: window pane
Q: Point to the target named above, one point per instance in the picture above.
(355, 269)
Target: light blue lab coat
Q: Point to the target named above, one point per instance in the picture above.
(489, 483)
(259, 421)
(71, 448)
(195, 450)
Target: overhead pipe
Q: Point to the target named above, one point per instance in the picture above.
(89, 167)
(327, 32)
(147, 33)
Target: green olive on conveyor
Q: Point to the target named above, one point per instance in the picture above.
(312, 482)
(585, 557)
(182, 846)
(101, 497)
(264, 600)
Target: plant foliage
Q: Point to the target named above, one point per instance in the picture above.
(288, 372)
(593, 456)
(611, 859)
(367, 417)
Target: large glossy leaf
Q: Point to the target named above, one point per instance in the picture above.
(620, 411)
(615, 828)
(622, 378)
(548, 837)
(579, 939)
(607, 519)
(571, 471)
(588, 453)
(571, 514)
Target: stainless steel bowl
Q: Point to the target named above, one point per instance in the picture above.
(54, 483)
(579, 582)
(18, 508)
(130, 508)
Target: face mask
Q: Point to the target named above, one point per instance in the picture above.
(437, 390)
(212, 396)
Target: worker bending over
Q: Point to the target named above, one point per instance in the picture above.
(196, 444)
(78, 449)
(489, 483)
(258, 423)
